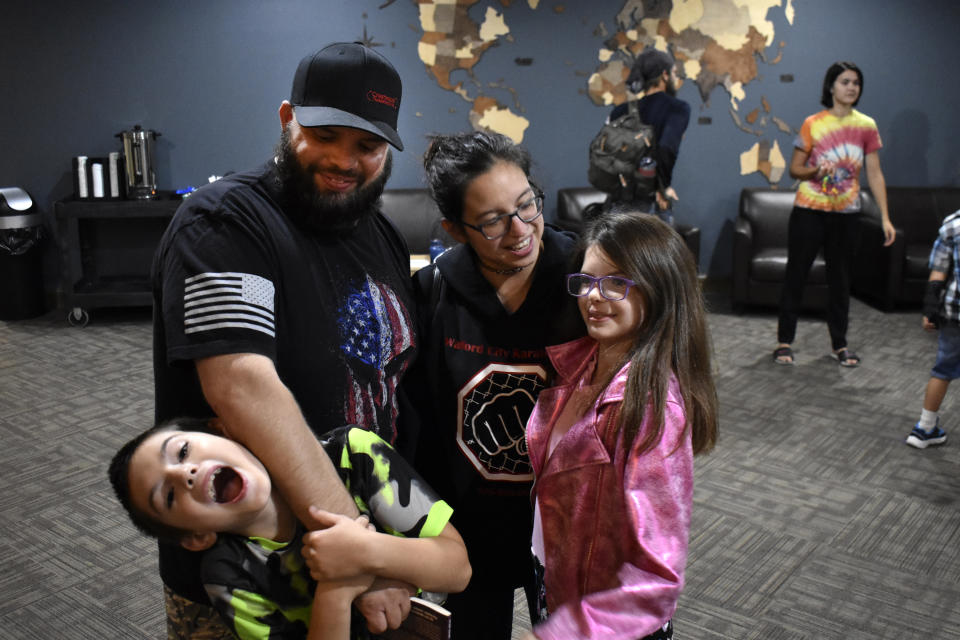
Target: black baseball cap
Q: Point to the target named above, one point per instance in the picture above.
(347, 84)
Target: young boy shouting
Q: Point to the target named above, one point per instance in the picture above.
(180, 482)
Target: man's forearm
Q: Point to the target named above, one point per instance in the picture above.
(259, 411)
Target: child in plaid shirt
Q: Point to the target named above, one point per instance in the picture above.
(941, 310)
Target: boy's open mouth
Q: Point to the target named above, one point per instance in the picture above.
(226, 486)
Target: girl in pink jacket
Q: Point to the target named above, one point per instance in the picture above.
(612, 445)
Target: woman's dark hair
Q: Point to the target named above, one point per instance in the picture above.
(453, 161)
(119, 473)
(826, 98)
(673, 336)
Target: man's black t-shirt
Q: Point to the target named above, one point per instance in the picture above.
(234, 274)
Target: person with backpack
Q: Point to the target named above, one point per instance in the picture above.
(654, 73)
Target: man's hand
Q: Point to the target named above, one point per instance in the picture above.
(385, 605)
(337, 551)
(928, 325)
(339, 548)
(664, 199)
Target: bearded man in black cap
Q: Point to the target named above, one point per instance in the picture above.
(654, 73)
(282, 304)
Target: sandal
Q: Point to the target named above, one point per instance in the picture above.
(780, 355)
(847, 358)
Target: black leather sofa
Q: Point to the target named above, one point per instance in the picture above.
(571, 203)
(415, 214)
(884, 276)
(760, 252)
(897, 275)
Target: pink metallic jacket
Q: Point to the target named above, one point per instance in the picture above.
(615, 522)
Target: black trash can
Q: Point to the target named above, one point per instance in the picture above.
(21, 261)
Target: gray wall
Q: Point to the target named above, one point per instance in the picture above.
(210, 74)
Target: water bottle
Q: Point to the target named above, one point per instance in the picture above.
(436, 248)
(646, 178)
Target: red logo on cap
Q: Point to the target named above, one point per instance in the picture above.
(373, 96)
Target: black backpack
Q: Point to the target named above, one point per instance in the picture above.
(621, 158)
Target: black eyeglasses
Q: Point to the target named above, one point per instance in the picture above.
(612, 288)
(498, 227)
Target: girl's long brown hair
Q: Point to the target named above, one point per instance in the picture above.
(673, 337)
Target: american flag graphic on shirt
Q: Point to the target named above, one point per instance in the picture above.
(228, 300)
(375, 329)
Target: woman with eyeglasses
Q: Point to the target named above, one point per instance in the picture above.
(487, 310)
(612, 444)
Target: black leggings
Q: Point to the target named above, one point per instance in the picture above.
(810, 230)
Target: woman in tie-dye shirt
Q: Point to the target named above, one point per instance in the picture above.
(832, 147)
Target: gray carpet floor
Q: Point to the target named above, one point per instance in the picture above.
(812, 518)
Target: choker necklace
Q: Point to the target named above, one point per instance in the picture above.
(503, 272)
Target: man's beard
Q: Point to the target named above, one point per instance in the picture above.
(320, 212)
(671, 88)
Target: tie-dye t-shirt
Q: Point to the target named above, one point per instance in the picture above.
(844, 142)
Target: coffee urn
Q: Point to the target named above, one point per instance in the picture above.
(138, 162)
